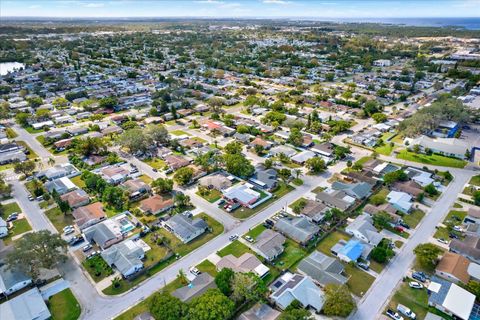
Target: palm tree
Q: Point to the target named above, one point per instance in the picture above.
(116, 282)
(297, 173)
(51, 161)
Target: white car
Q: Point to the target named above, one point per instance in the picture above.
(415, 285)
(194, 271)
(249, 239)
(68, 231)
(67, 228)
(458, 228)
(87, 247)
(233, 237)
(441, 240)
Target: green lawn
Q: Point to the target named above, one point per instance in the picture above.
(433, 159)
(385, 149)
(146, 179)
(297, 181)
(59, 219)
(10, 208)
(97, 268)
(441, 233)
(363, 160)
(381, 194)
(414, 218)
(143, 306)
(255, 232)
(359, 281)
(11, 134)
(416, 300)
(475, 180)
(184, 249)
(329, 241)
(455, 217)
(212, 196)
(208, 267)
(19, 226)
(292, 254)
(235, 248)
(32, 130)
(377, 267)
(77, 180)
(157, 252)
(244, 213)
(64, 306)
(155, 163)
(31, 155)
(179, 133)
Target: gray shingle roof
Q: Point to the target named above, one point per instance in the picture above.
(298, 229)
(323, 269)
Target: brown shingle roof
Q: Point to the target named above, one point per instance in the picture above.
(455, 265)
(92, 211)
(155, 204)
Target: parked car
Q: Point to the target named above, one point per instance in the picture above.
(392, 314)
(67, 228)
(75, 240)
(415, 285)
(441, 240)
(249, 239)
(403, 224)
(233, 237)
(364, 265)
(406, 311)
(194, 271)
(30, 197)
(12, 217)
(420, 276)
(453, 235)
(68, 231)
(458, 228)
(87, 247)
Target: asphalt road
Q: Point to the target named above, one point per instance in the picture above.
(374, 300)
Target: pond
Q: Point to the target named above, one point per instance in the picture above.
(6, 67)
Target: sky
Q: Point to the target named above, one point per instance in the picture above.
(242, 8)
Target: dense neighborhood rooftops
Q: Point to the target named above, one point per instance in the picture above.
(455, 265)
(299, 229)
(323, 269)
(197, 287)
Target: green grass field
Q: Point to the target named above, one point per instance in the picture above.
(59, 219)
(291, 255)
(255, 232)
(434, 159)
(10, 208)
(475, 181)
(64, 306)
(155, 163)
(414, 218)
(179, 133)
(212, 196)
(208, 267)
(236, 248)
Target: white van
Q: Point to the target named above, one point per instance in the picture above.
(406, 311)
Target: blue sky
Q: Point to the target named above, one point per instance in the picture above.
(242, 8)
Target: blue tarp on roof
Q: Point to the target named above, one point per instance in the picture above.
(353, 250)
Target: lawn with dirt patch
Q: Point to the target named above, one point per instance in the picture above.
(434, 159)
(207, 267)
(212, 196)
(64, 306)
(359, 281)
(155, 163)
(58, 218)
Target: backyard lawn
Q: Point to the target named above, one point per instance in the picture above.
(31, 154)
(292, 254)
(363, 160)
(208, 267)
(329, 241)
(64, 306)
(434, 159)
(386, 149)
(19, 226)
(77, 180)
(58, 218)
(212, 196)
(255, 232)
(155, 163)
(475, 181)
(235, 248)
(146, 179)
(156, 253)
(97, 268)
(244, 213)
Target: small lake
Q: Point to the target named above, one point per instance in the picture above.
(6, 67)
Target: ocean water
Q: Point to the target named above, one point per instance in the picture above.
(472, 23)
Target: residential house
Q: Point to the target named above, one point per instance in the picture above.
(216, 181)
(335, 199)
(260, 312)
(450, 298)
(363, 176)
(185, 228)
(63, 144)
(156, 204)
(88, 215)
(410, 187)
(453, 267)
(445, 146)
(114, 174)
(298, 229)
(469, 247)
(59, 171)
(372, 210)
(349, 251)
(61, 186)
(196, 288)
(3, 228)
(190, 143)
(269, 244)
(289, 287)
(400, 201)
(359, 190)
(324, 150)
(314, 211)
(288, 151)
(27, 306)
(104, 234)
(125, 256)
(245, 263)
(264, 178)
(323, 269)
(76, 198)
(473, 216)
(241, 193)
(12, 280)
(262, 143)
(136, 188)
(303, 156)
(362, 228)
(176, 162)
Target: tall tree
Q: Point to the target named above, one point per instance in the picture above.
(166, 307)
(427, 255)
(25, 167)
(212, 305)
(338, 302)
(36, 250)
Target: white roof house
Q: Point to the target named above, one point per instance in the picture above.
(242, 193)
(450, 298)
(28, 305)
(400, 200)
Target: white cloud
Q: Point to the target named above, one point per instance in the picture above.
(276, 2)
(34, 6)
(94, 5)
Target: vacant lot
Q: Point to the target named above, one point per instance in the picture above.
(212, 195)
(58, 218)
(434, 159)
